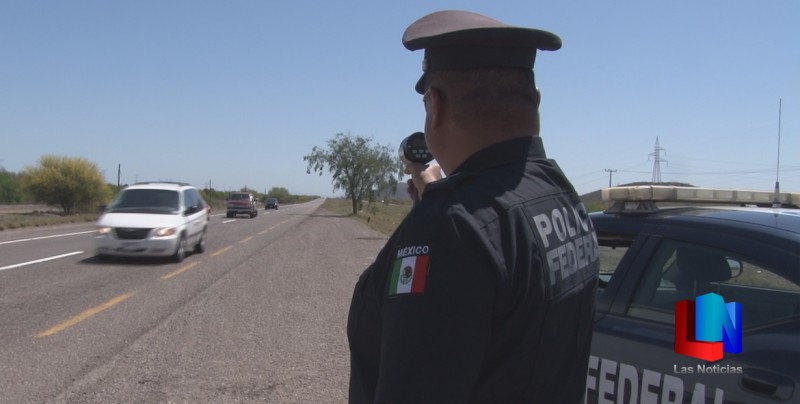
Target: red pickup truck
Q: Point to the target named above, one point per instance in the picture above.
(241, 203)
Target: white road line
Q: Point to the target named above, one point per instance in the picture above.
(228, 221)
(44, 237)
(55, 257)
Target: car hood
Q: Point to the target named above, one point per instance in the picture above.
(141, 220)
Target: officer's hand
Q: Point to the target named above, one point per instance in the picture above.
(422, 175)
(412, 191)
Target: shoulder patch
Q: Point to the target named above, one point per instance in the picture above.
(410, 270)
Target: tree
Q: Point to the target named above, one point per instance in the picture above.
(10, 188)
(360, 168)
(70, 183)
(282, 194)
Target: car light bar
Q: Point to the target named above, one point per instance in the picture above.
(658, 193)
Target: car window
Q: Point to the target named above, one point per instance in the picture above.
(612, 248)
(189, 199)
(146, 201)
(240, 196)
(198, 199)
(680, 271)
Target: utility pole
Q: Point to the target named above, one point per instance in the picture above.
(609, 171)
(776, 202)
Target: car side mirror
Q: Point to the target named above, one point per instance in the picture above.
(737, 267)
(603, 280)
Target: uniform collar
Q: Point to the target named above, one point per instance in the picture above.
(509, 151)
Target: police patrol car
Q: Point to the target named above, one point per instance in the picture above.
(654, 256)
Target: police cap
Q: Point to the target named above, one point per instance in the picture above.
(460, 40)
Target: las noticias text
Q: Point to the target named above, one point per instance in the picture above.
(707, 369)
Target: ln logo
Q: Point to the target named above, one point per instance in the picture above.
(706, 328)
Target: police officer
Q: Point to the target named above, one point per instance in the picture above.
(485, 293)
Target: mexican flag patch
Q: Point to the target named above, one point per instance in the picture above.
(409, 275)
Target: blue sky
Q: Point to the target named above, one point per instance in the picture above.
(235, 93)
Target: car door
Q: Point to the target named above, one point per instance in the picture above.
(633, 349)
(195, 215)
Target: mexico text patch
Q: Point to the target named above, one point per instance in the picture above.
(409, 272)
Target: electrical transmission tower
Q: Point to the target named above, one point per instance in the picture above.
(657, 162)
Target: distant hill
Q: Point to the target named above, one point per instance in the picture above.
(593, 196)
(400, 191)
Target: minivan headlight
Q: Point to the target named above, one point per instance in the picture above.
(166, 231)
(103, 230)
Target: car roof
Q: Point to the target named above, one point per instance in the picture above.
(174, 186)
(729, 211)
(767, 219)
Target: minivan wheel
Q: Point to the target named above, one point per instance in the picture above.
(180, 250)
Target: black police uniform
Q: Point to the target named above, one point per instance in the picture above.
(484, 294)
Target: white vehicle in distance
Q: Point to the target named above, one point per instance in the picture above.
(153, 219)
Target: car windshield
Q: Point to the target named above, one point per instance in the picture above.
(239, 196)
(146, 201)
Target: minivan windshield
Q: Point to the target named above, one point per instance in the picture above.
(146, 201)
(239, 196)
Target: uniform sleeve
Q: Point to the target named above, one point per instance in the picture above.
(436, 328)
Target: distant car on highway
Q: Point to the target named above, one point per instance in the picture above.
(241, 203)
(272, 203)
(668, 272)
(156, 219)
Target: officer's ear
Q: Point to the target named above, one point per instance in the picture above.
(434, 107)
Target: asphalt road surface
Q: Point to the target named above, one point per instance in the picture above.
(259, 317)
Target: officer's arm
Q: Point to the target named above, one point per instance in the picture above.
(433, 341)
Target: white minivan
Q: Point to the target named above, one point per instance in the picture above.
(153, 219)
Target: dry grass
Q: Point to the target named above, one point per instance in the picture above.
(24, 216)
(382, 217)
(386, 217)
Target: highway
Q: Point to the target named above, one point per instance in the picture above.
(259, 317)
